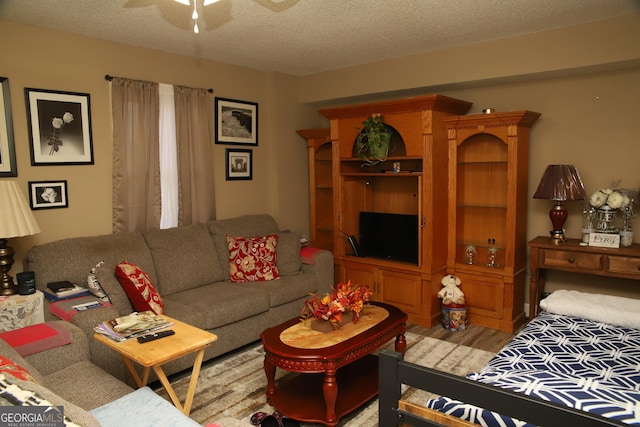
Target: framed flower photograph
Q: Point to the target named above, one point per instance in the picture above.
(239, 164)
(7, 144)
(48, 194)
(59, 127)
(236, 122)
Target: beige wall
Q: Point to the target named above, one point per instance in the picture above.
(584, 80)
(40, 58)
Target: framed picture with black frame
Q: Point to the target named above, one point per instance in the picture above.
(8, 166)
(236, 122)
(239, 164)
(48, 194)
(59, 127)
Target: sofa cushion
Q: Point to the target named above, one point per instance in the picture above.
(246, 226)
(286, 289)
(139, 288)
(252, 259)
(223, 303)
(71, 259)
(288, 253)
(184, 258)
(104, 387)
(185, 313)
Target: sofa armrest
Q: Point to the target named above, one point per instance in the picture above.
(319, 262)
(100, 354)
(57, 358)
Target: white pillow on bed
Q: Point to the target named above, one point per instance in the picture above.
(610, 309)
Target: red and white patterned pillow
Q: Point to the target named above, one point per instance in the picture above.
(252, 259)
(9, 367)
(139, 288)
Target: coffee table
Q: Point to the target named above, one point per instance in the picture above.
(334, 379)
(153, 354)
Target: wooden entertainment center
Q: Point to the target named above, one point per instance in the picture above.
(446, 168)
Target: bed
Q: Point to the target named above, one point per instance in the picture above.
(576, 363)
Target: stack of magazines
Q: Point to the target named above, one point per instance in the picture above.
(132, 325)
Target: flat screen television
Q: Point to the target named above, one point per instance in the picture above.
(389, 236)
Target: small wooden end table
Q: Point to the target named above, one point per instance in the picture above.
(335, 379)
(153, 354)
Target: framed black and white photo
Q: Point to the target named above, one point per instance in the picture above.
(7, 145)
(48, 194)
(239, 164)
(59, 127)
(236, 122)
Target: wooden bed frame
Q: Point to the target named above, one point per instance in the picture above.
(394, 372)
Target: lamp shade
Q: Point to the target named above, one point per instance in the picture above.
(560, 182)
(16, 218)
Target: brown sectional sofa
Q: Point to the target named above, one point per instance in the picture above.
(189, 267)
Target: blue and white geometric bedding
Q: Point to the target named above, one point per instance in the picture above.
(587, 365)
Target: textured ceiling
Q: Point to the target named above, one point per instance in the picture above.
(302, 37)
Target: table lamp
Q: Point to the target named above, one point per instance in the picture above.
(559, 183)
(16, 220)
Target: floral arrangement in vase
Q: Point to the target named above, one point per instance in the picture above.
(609, 199)
(344, 297)
(608, 202)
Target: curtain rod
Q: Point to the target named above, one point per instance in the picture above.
(109, 78)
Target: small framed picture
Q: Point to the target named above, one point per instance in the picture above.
(59, 127)
(7, 144)
(236, 122)
(48, 194)
(239, 164)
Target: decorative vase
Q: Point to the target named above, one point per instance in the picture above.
(470, 254)
(325, 326)
(377, 148)
(607, 221)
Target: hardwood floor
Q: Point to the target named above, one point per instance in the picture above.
(474, 336)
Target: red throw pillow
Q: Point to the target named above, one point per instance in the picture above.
(11, 368)
(139, 288)
(252, 259)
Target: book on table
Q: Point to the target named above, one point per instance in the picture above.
(63, 290)
(132, 325)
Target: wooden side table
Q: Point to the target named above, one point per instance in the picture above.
(621, 262)
(18, 311)
(153, 354)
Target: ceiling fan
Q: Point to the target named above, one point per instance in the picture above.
(194, 15)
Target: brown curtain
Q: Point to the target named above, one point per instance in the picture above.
(136, 163)
(194, 138)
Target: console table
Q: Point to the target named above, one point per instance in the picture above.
(621, 262)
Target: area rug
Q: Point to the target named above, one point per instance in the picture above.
(231, 388)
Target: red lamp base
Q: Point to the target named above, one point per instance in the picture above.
(558, 215)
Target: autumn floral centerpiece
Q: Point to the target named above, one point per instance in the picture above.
(345, 298)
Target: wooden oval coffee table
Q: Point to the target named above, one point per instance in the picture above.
(338, 374)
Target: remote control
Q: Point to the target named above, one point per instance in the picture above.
(155, 336)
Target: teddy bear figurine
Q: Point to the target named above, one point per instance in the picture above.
(451, 293)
